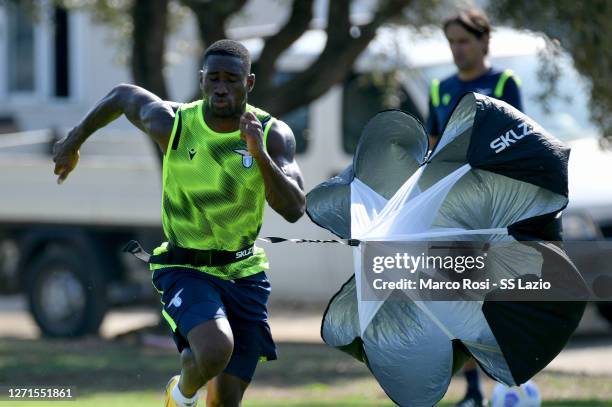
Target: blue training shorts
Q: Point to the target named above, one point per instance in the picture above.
(191, 297)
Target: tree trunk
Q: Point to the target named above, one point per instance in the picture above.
(149, 18)
(334, 63)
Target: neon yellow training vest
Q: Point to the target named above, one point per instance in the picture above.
(213, 192)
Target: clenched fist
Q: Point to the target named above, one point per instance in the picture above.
(65, 156)
(252, 133)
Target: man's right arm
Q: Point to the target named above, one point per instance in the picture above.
(142, 108)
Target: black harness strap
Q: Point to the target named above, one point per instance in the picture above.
(214, 258)
(179, 255)
(274, 239)
(136, 249)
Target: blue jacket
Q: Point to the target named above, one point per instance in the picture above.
(444, 95)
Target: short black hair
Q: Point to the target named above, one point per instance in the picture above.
(473, 21)
(230, 48)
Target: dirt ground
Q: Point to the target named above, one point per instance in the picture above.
(130, 357)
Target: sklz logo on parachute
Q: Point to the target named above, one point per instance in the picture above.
(512, 136)
(242, 253)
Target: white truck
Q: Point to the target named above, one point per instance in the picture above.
(61, 244)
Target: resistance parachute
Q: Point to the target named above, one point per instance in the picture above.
(495, 176)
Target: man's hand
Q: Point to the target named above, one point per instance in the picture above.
(252, 133)
(142, 108)
(65, 156)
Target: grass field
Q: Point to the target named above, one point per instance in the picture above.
(307, 375)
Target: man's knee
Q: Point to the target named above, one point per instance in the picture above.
(211, 344)
(212, 360)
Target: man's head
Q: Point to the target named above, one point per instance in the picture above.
(225, 78)
(468, 36)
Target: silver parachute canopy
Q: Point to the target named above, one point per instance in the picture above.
(495, 176)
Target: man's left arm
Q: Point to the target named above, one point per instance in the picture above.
(276, 161)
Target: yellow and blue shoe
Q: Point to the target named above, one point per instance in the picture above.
(169, 401)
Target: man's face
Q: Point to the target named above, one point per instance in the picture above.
(468, 50)
(225, 84)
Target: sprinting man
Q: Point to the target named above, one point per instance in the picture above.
(223, 159)
(468, 35)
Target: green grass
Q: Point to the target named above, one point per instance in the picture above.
(306, 375)
(147, 399)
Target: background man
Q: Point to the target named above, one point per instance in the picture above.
(222, 160)
(468, 36)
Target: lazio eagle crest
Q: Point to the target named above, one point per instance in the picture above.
(247, 158)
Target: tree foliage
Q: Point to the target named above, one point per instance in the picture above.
(583, 29)
(345, 41)
(146, 24)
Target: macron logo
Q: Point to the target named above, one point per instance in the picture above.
(510, 137)
(176, 300)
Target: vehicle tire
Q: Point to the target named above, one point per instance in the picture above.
(66, 292)
(605, 310)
